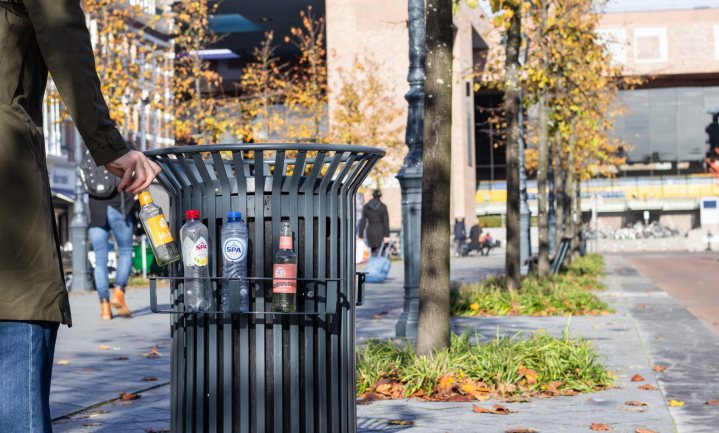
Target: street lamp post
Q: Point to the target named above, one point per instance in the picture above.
(78, 228)
(410, 176)
(525, 214)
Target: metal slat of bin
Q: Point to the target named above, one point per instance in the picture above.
(319, 364)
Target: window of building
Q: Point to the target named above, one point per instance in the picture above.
(616, 42)
(650, 44)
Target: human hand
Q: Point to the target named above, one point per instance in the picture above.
(386, 239)
(133, 165)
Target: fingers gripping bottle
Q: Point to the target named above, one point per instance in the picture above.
(284, 274)
(157, 230)
(195, 256)
(234, 239)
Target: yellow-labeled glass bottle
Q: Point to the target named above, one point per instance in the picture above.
(158, 231)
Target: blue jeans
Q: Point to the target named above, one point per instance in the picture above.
(121, 227)
(26, 354)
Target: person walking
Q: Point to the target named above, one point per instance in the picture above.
(475, 232)
(112, 214)
(37, 36)
(375, 220)
(460, 236)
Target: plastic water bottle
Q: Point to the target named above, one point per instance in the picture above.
(195, 256)
(234, 238)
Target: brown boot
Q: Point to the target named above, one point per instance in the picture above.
(118, 301)
(105, 311)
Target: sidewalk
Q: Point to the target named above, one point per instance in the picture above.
(626, 340)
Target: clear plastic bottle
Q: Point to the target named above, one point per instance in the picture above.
(158, 231)
(195, 256)
(284, 274)
(234, 241)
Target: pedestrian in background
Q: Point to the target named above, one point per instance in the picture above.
(460, 236)
(37, 36)
(112, 214)
(376, 220)
(475, 232)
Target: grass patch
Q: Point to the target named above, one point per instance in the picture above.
(138, 281)
(505, 367)
(569, 293)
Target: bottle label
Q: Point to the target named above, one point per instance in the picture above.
(234, 249)
(285, 242)
(195, 253)
(158, 230)
(284, 278)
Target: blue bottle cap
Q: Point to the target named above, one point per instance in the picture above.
(234, 216)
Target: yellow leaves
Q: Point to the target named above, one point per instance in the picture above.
(676, 403)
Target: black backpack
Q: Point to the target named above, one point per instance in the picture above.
(100, 183)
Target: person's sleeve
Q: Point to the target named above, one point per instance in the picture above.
(65, 45)
(385, 222)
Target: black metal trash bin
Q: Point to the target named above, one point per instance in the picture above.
(264, 371)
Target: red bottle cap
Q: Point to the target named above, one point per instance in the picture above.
(192, 214)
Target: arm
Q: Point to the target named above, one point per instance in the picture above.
(64, 42)
(385, 223)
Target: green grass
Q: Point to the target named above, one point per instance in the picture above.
(502, 366)
(569, 293)
(490, 221)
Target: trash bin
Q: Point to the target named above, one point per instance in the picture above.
(263, 371)
(137, 258)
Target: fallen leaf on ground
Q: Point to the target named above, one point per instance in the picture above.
(676, 403)
(496, 409)
(400, 422)
(521, 430)
(389, 388)
(369, 397)
(153, 353)
(643, 430)
(127, 396)
(637, 378)
(121, 358)
(63, 362)
(659, 368)
(106, 347)
(530, 376)
(600, 427)
(149, 379)
(635, 403)
(648, 387)
(712, 402)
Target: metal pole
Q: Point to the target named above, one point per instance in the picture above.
(78, 228)
(410, 176)
(551, 212)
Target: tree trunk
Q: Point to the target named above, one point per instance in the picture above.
(569, 196)
(578, 224)
(542, 168)
(434, 308)
(512, 107)
(559, 191)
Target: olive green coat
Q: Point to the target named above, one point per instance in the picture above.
(37, 36)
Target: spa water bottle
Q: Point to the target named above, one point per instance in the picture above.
(195, 257)
(234, 241)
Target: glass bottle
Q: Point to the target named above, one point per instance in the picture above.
(158, 231)
(284, 274)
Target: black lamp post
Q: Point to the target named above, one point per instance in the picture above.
(78, 228)
(410, 176)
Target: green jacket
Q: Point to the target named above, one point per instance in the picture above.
(37, 36)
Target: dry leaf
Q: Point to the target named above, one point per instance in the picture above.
(127, 396)
(400, 422)
(712, 402)
(648, 387)
(149, 379)
(389, 388)
(530, 376)
(659, 368)
(635, 403)
(643, 430)
(369, 397)
(637, 378)
(521, 430)
(600, 427)
(121, 358)
(676, 403)
(496, 409)
(106, 347)
(63, 362)
(153, 353)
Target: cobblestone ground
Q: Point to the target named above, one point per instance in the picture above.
(630, 341)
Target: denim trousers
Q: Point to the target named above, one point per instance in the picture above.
(122, 228)
(26, 356)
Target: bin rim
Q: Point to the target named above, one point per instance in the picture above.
(173, 150)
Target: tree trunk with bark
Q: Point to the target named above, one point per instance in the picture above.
(578, 224)
(542, 199)
(559, 190)
(512, 107)
(434, 307)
